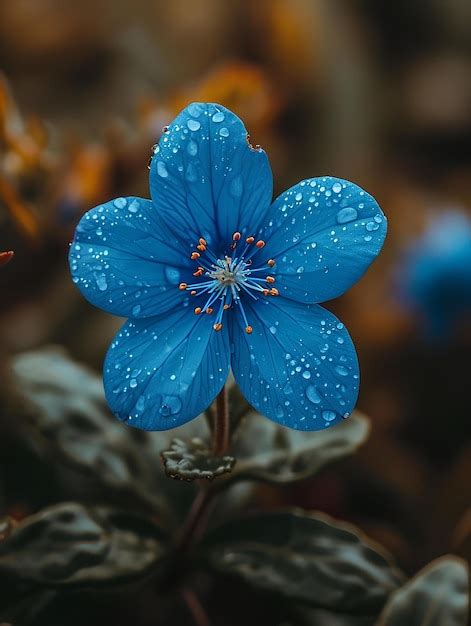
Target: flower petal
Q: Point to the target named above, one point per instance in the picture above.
(298, 367)
(323, 233)
(162, 372)
(205, 179)
(125, 261)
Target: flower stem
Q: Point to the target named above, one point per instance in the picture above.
(221, 425)
(196, 519)
(195, 607)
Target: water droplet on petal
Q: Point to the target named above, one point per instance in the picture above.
(224, 132)
(133, 383)
(279, 411)
(306, 374)
(337, 187)
(273, 329)
(101, 282)
(162, 169)
(140, 404)
(134, 206)
(192, 148)
(236, 187)
(218, 117)
(341, 370)
(312, 395)
(120, 203)
(329, 415)
(348, 214)
(136, 309)
(193, 125)
(173, 275)
(170, 405)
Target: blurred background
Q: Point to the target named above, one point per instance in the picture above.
(373, 91)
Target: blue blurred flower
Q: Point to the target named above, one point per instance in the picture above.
(212, 274)
(435, 277)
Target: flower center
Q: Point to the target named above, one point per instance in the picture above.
(224, 281)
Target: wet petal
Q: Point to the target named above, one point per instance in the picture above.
(205, 179)
(298, 366)
(162, 372)
(125, 261)
(323, 233)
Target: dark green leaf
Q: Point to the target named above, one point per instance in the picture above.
(192, 459)
(436, 596)
(70, 544)
(67, 416)
(308, 558)
(271, 453)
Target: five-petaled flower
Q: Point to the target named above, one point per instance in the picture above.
(212, 274)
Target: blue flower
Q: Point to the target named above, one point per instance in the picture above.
(212, 274)
(435, 276)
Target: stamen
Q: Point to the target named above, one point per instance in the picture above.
(248, 330)
(202, 242)
(195, 255)
(209, 310)
(270, 279)
(274, 292)
(193, 293)
(250, 240)
(271, 262)
(199, 272)
(182, 286)
(236, 236)
(217, 327)
(260, 244)
(197, 310)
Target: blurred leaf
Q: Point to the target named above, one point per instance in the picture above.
(70, 544)
(308, 558)
(271, 453)
(189, 460)
(436, 596)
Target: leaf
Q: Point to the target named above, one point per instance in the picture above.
(70, 544)
(268, 452)
(308, 558)
(191, 460)
(67, 416)
(436, 596)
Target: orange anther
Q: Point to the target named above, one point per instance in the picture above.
(250, 239)
(270, 279)
(195, 255)
(197, 310)
(202, 241)
(199, 272)
(248, 330)
(209, 310)
(266, 292)
(274, 292)
(236, 236)
(201, 247)
(271, 262)
(217, 327)
(226, 306)
(193, 293)
(260, 243)
(182, 286)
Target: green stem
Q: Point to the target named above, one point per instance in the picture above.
(221, 427)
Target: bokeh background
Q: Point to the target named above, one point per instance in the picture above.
(373, 91)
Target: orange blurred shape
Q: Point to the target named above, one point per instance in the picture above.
(242, 87)
(6, 257)
(25, 141)
(21, 214)
(290, 33)
(87, 175)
